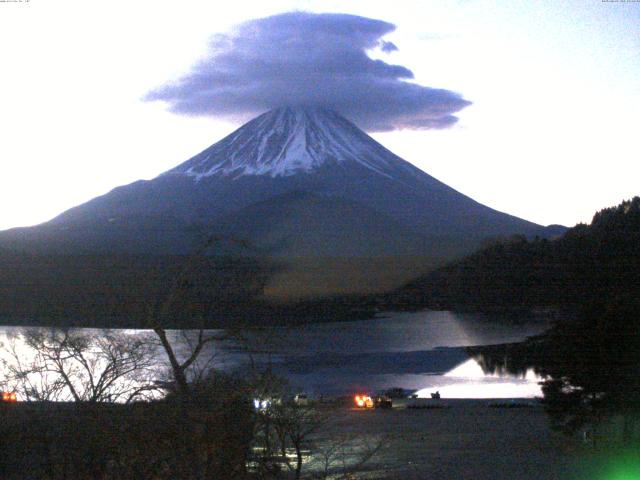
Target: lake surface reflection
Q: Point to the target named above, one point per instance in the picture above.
(422, 351)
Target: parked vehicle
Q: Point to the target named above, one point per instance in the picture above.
(382, 401)
(398, 392)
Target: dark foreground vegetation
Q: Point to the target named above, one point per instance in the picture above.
(219, 428)
(209, 437)
(154, 440)
(174, 419)
(116, 405)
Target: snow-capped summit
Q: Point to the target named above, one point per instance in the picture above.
(291, 140)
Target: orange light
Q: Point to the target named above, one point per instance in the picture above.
(363, 401)
(9, 397)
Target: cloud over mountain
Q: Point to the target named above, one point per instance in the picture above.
(307, 59)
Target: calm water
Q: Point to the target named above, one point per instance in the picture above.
(421, 351)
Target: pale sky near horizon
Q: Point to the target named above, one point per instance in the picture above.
(551, 135)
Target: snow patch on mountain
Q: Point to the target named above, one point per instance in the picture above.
(291, 140)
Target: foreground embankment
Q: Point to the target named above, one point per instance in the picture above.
(443, 439)
(159, 440)
(463, 439)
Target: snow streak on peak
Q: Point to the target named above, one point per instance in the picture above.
(291, 140)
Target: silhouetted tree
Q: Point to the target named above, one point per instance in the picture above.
(185, 298)
(62, 364)
(592, 365)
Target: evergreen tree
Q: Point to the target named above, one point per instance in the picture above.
(592, 365)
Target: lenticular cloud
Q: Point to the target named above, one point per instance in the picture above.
(306, 59)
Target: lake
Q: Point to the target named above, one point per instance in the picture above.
(421, 351)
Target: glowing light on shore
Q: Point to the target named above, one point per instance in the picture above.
(469, 381)
(472, 369)
(484, 390)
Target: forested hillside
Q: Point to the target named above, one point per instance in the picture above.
(592, 261)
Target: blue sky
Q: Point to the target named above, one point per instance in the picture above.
(550, 134)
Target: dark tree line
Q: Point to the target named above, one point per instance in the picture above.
(590, 358)
(115, 290)
(593, 261)
(590, 364)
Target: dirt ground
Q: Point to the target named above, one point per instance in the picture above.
(467, 439)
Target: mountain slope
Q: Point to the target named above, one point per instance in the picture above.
(283, 151)
(304, 224)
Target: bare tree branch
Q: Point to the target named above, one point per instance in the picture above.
(63, 365)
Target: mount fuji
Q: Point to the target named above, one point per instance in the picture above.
(261, 178)
(300, 184)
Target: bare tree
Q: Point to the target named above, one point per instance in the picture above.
(196, 342)
(179, 367)
(295, 426)
(344, 456)
(56, 364)
(300, 442)
(25, 374)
